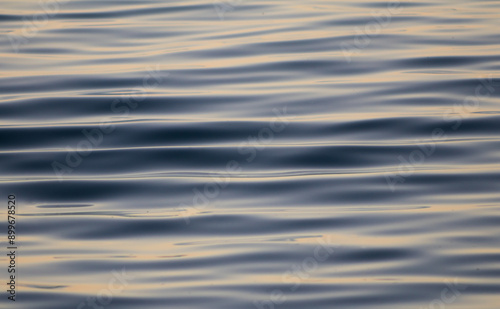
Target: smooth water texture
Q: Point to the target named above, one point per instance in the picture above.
(252, 153)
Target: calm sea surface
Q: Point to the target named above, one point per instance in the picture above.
(251, 154)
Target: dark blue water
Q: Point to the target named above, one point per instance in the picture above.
(251, 153)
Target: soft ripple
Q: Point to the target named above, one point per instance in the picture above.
(187, 92)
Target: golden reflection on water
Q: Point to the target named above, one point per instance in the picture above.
(321, 180)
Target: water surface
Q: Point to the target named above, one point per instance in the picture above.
(252, 154)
